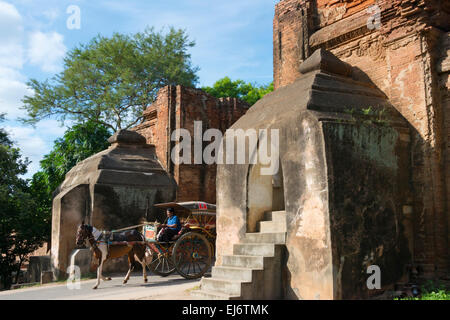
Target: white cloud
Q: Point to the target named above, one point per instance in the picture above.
(31, 145)
(11, 93)
(46, 50)
(12, 86)
(35, 142)
(11, 34)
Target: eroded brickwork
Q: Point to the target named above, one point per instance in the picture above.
(288, 42)
(443, 69)
(407, 58)
(330, 11)
(178, 107)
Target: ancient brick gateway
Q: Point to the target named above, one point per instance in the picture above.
(352, 190)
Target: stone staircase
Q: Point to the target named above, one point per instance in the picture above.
(253, 272)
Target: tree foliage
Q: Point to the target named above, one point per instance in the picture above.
(25, 208)
(247, 92)
(110, 81)
(78, 143)
(21, 226)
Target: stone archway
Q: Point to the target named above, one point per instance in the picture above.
(264, 193)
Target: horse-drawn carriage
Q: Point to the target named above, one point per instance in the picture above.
(190, 252)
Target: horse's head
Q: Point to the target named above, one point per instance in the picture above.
(84, 232)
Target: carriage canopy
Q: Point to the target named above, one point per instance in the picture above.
(184, 209)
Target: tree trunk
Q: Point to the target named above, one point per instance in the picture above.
(18, 271)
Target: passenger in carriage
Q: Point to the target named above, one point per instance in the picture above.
(171, 228)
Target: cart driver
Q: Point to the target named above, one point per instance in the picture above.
(171, 228)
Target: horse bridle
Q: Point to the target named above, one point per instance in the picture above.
(90, 237)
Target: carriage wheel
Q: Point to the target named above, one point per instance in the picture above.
(192, 255)
(161, 263)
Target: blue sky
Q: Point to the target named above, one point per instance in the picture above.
(233, 38)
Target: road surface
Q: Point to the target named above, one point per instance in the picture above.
(173, 287)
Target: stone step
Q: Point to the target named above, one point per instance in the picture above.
(272, 226)
(242, 275)
(275, 216)
(227, 286)
(254, 249)
(209, 295)
(234, 273)
(257, 237)
(243, 261)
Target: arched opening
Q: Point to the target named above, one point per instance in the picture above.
(265, 193)
(278, 191)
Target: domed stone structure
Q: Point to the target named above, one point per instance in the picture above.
(341, 184)
(112, 189)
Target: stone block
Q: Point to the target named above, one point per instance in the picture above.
(36, 266)
(46, 277)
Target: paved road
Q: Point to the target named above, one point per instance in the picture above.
(173, 287)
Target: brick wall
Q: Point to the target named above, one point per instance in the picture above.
(330, 11)
(287, 42)
(155, 127)
(178, 107)
(444, 85)
(294, 22)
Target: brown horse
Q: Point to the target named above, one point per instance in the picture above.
(132, 245)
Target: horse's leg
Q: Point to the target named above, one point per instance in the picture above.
(99, 254)
(130, 264)
(140, 254)
(105, 254)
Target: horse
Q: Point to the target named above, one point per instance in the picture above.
(103, 251)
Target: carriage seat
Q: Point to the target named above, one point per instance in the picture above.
(184, 229)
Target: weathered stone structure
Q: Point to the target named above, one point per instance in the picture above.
(113, 189)
(405, 53)
(36, 266)
(177, 107)
(343, 183)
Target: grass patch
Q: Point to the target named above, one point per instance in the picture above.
(89, 276)
(431, 291)
(193, 289)
(370, 115)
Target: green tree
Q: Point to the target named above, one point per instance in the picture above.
(110, 81)
(247, 92)
(79, 142)
(20, 225)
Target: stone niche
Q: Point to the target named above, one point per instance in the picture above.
(113, 189)
(343, 181)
